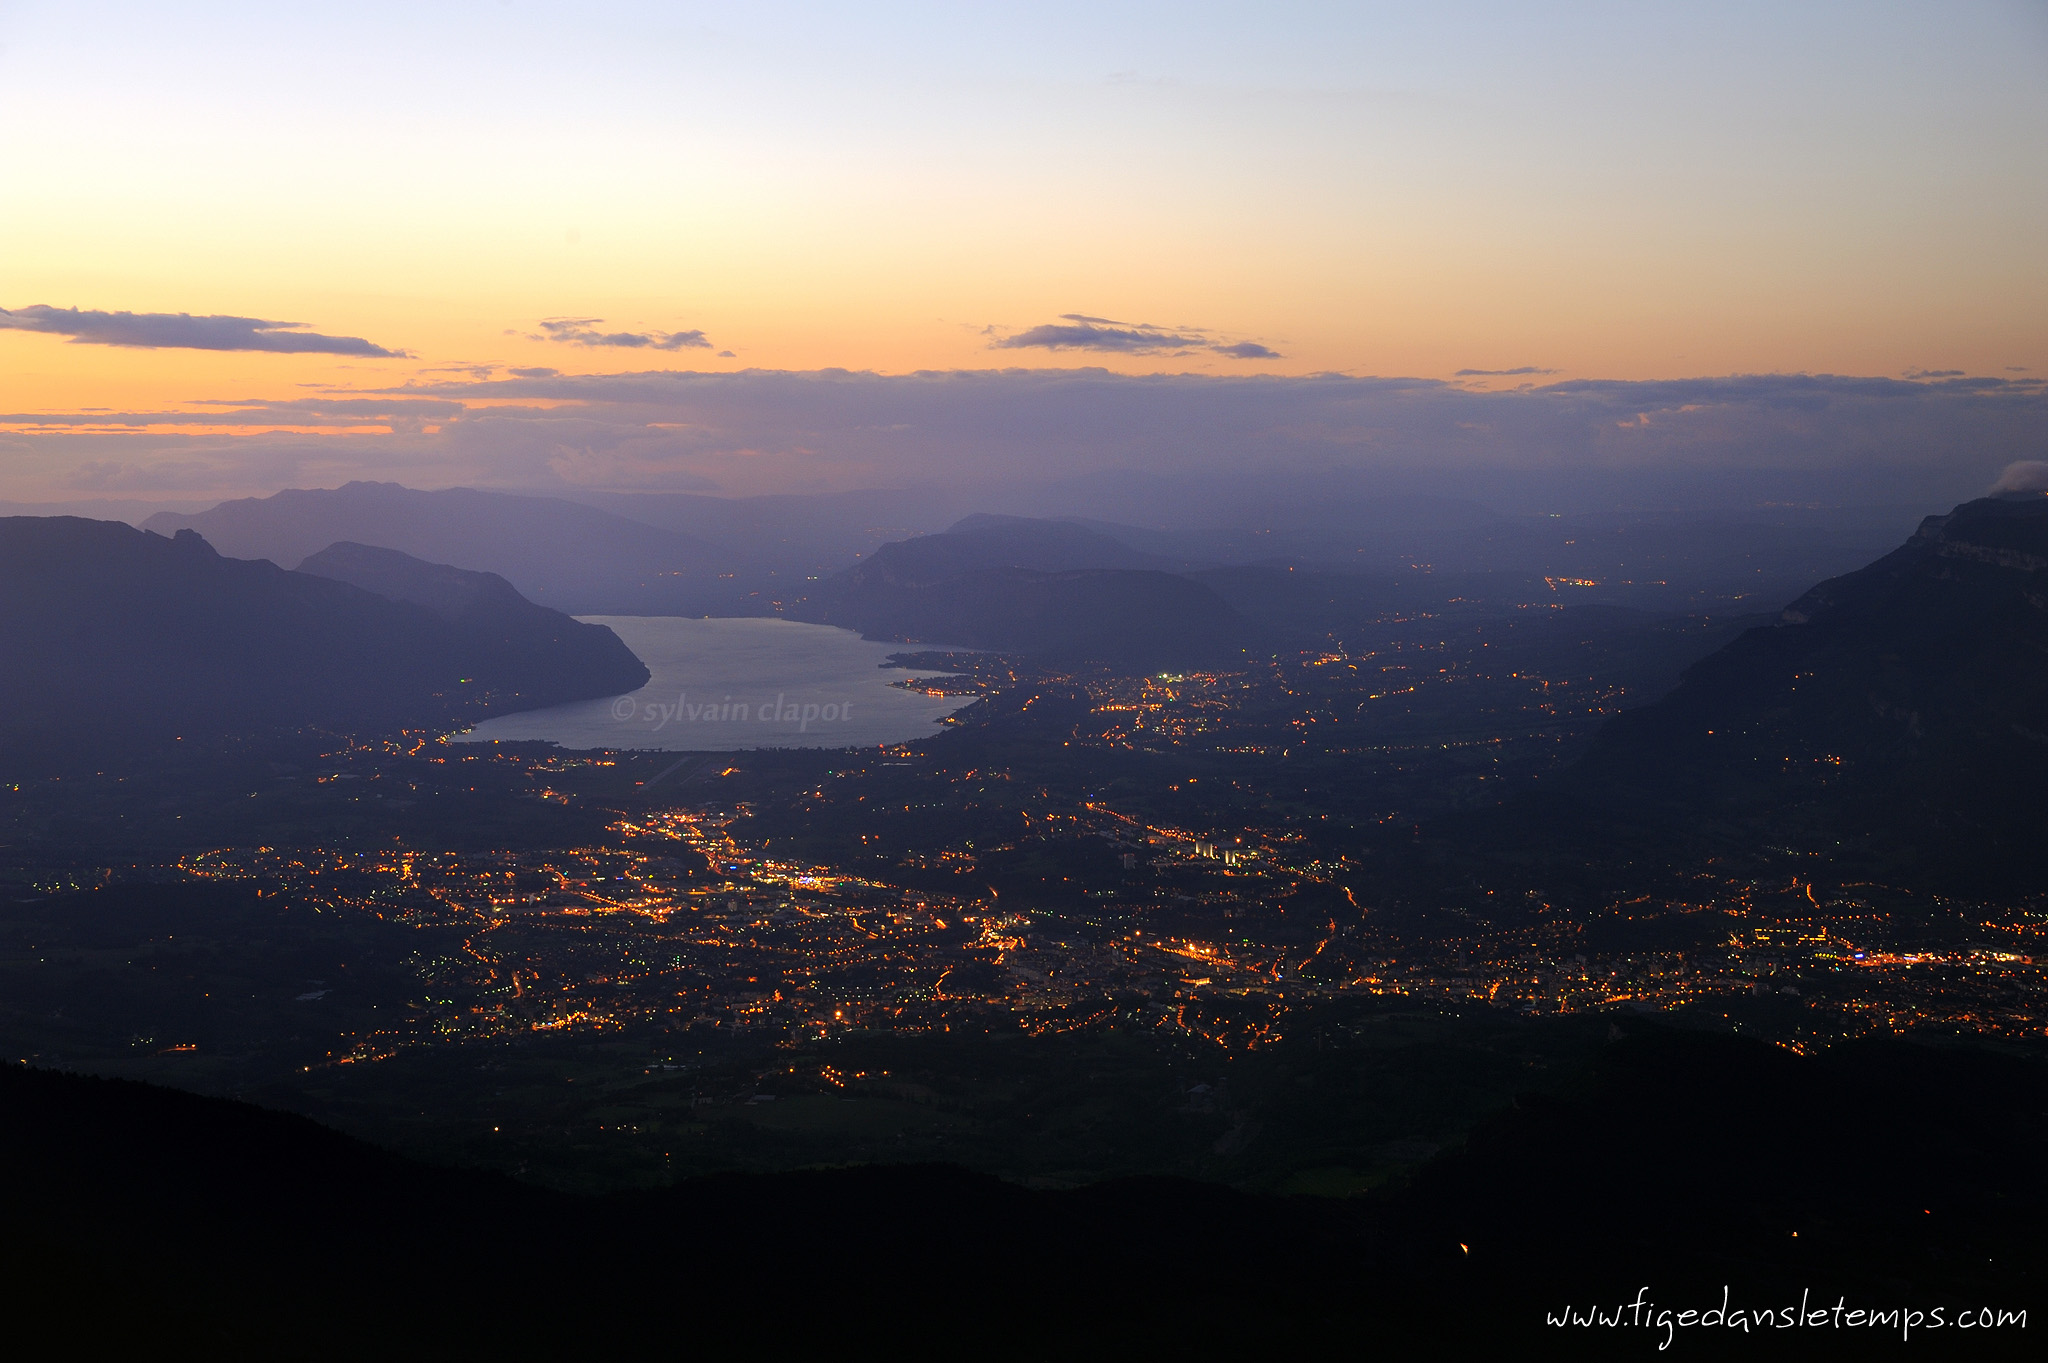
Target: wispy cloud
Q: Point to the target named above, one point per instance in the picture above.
(1083, 332)
(333, 412)
(475, 370)
(1088, 334)
(583, 331)
(183, 331)
(1501, 373)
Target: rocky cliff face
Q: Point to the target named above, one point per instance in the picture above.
(1911, 694)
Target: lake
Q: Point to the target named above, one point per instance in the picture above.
(727, 685)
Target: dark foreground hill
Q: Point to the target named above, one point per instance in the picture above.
(1910, 697)
(1891, 1178)
(531, 655)
(112, 637)
(1057, 591)
(562, 554)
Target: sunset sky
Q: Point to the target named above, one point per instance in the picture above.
(451, 192)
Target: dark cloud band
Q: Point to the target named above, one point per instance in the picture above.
(183, 331)
(1199, 448)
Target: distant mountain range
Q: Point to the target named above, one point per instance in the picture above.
(1054, 588)
(1703, 559)
(112, 636)
(1049, 588)
(669, 553)
(785, 537)
(563, 554)
(1046, 546)
(1910, 697)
